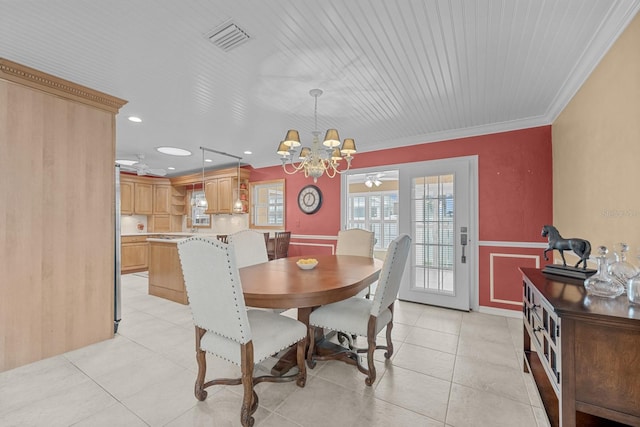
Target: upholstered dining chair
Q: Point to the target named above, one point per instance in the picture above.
(249, 247)
(364, 317)
(358, 242)
(226, 329)
(281, 245)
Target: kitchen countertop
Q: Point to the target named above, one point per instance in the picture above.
(177, 234)
(170, 237)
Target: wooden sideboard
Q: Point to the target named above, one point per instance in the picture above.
(583, 352)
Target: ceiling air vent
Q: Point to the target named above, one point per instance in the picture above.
(228, 36)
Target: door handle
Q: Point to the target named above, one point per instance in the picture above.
(463, 243)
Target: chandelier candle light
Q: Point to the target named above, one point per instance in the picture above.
(318, 159)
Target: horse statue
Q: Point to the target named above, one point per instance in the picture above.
(580, 247)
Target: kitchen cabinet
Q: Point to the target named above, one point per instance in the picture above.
(178, 201)
(126, 197)
(220, 188)
(134, 254)
(57, 291)
(161, 199)
(160, 224)
(165, 272)
(582, 352)
(143, 195)
(143, 200)
(220, 194)
(211, 194)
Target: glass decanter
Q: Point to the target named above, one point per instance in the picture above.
(601, 284)
(633, 290)
(621, 270)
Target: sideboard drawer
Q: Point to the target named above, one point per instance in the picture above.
(543, 326)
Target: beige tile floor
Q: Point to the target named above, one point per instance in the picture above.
(449, 369)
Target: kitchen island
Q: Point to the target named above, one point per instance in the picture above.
(165, 272)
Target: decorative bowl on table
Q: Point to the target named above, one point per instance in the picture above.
(307, 263)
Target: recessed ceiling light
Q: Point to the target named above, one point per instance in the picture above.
(173, 151)
(135, 119)
(171, 168)
(126, 162)
(208, 160)
(248, 152)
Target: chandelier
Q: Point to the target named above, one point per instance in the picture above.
(318, 159)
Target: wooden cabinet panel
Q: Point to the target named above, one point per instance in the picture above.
(165, 273)
(143, 203)
(178, 202)
(134, 254)
(161, 199)
(135, 257)
(159, 223)
(225, 195)
(211, 193)
(219, 194)
(56, 253)
(126, 198)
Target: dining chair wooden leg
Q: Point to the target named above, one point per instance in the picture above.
(371, 346)
(249, 398)
(201, 358)
(389, 352)
(302, 367)
(312, 344)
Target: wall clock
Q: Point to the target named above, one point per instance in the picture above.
(310, 199)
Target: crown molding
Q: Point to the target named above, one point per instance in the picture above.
(18, 73)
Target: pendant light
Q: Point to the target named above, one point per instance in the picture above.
(192, 202)
(203, 201)
(237, 206)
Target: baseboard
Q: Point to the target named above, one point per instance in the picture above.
(516, 314)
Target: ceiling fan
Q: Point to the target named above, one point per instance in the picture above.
(372, 180)
(141, 168)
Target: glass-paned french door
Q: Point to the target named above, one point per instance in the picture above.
(438, 216)
(433, 201)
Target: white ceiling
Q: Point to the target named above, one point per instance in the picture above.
(394, 73)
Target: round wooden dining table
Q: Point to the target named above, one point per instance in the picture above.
(282, 284)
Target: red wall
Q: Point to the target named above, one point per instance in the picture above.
(515, 194)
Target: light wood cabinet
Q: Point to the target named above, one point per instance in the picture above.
(220, 188)
(126, 198)
(211, 194)
(143, 202)
(143, 195)
(58, 255)
(134, 254)
(160, 224)
(165, 272)
(178, 202)
(225, 195)
(161, 199)
(220, 195)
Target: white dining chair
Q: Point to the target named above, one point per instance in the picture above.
(358, 242)
(364, 317)
(226, 329)
(249, 247)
